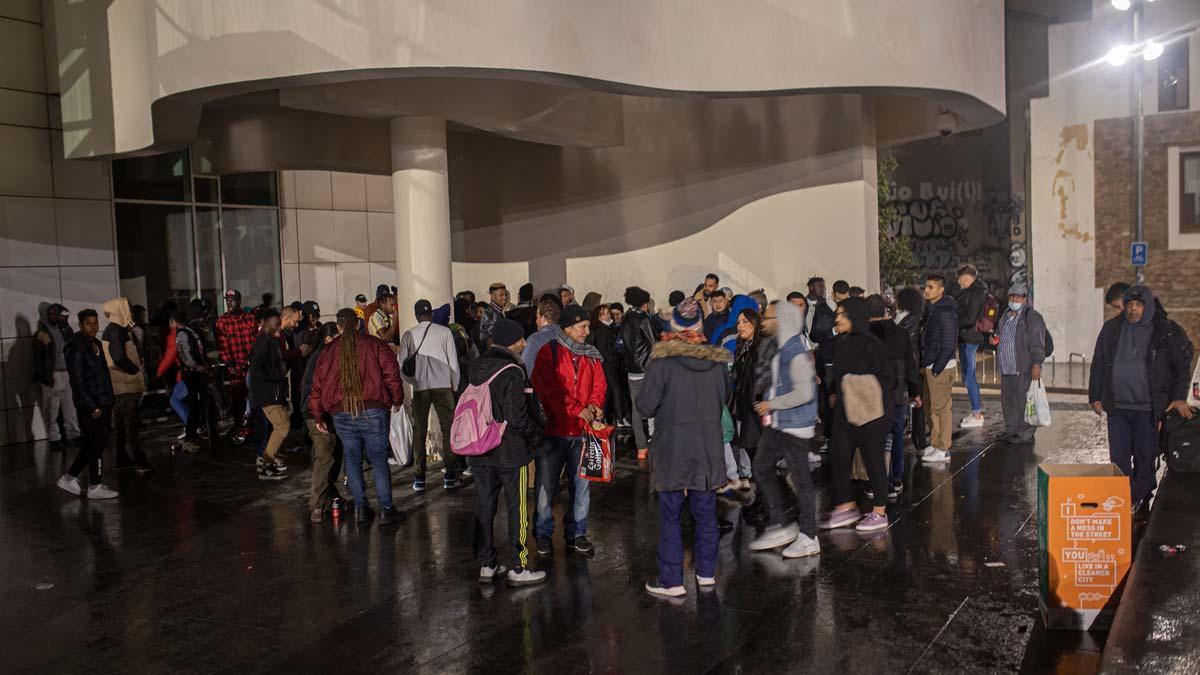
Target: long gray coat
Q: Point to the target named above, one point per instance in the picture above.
(1030, 339)
(685, 389)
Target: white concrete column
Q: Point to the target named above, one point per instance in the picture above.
(421, 199)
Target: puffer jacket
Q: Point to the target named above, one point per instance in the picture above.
(940, 339)
(378, 370)
(91, 385)
(639, 337)
(120, 349)
(565, 384)
(512, 404)
(685, 390)
(970, 303)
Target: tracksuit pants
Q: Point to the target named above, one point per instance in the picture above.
(489, 482)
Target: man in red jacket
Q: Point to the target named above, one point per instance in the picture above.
(568, 379)
(357, 382)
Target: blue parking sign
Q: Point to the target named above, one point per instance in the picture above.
(1137, 253)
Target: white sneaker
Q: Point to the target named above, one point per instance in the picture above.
(525, 577)
(936, 456)
(813, 458)
(656, 588)
(101, 492)
(775, 537)
(488, 574)
(971, 422)
(69, 484)
(704, 582)
(280, 464)
(929, 450)
(803, 547)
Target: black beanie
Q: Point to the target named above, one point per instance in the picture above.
(506, 333)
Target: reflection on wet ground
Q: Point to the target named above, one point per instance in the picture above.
(203, 568)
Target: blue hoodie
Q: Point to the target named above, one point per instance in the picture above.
(726, 334)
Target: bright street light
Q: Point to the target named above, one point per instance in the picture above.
(1118, 55)
(1121, 4)
(1153, 50)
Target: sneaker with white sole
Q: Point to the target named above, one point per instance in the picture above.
(935, 457)
(705, 582)
(803, 547)
(775, 537)
(836, 519)
(813, 458)
(101, 492)
(525, 577)
(971, 422)
(489, 574)
(872, 522)
(929, 450)
(70, 484)
(281, 465)
(660, 589)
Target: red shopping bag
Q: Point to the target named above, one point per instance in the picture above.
(595, 458)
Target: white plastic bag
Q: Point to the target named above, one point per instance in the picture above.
(1037, 406)
(400, 435)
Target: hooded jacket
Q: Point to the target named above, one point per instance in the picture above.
(91, 386)
(940, 339)
(513, 404)
(859, 352)
(378, 370)
(268, 379)
(1166, 358)
(685, 389)
(48, 356)
(905, 379)
(792, 394)
(120, 349)
(725, 334)
(568, 376)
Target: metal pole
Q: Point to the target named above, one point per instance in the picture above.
(1138, 131)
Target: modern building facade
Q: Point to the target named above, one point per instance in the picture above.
(169, 149)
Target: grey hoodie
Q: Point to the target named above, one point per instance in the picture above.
(791, 324)
(1131, 382)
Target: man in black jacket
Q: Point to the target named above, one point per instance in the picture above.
(970, 299)
(268, 395)
(638, 338)
(906, 387)
(1140, 372)
(50, 371)
(938, 344)
(504, 467)
(91, 388)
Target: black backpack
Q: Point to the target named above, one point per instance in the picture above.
(409, 367)
(1049, 344)
(1181, 443)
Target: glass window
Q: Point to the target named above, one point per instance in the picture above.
(1189, 192)
(250, 244)
(208, 253)
(1173, 76)
(257, 189)
(206, 190)
(160, 177)
(155, 254)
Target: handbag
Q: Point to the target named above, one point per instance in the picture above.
(409, 367)
(863, 398)
(400, 437)
(595, 457)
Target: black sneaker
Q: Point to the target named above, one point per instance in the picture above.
(143, 468)
(270, 472)
(581, 544)
(363, 514)
(451, 484)
(545, 547)
(894, 490)
(390, 515)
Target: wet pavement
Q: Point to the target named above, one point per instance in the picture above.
(203, 568)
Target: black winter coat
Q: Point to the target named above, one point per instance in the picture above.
(268, 379)
(939, 342)
(686, 387)
(1168, 364)
(639, 338)
(970, 307)
(512, 402)
(912, 325)
(900, 355)
(44, 357)
(604, 339)
(91, 384)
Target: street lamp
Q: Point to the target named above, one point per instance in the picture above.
(1117, 56)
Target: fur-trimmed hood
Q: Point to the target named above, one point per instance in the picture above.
(679, 349)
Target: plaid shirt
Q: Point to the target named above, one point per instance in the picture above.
(235, 336)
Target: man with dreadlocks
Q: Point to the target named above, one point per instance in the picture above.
(356, 382)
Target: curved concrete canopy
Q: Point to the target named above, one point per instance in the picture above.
(135, 75)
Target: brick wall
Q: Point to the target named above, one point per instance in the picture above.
(1173, 275)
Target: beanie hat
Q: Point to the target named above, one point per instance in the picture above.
(506, 332)
(675, 298)
(571, 315)
(686, 315)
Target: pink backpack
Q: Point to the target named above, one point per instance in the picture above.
(474, 431)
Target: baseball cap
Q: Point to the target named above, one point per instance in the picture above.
(311, 308)
(422, 307)
(231, 293)
(360, 298)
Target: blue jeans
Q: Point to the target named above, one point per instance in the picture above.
(670, 537)
(563, 454)
(966, 361)
(366, 434)
(896, 443)
(179, 400)
(1132, 445)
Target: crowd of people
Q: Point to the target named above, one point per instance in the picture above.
(721, 393)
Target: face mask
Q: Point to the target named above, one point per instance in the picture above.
(1015, 306)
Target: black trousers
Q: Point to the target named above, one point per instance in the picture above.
(93, 438)
(127, 420)
(489, 481)
(868, 440)
(773, 445)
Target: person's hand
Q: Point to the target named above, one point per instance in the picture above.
(1098, 407)
(586, 415)
(597, 411)
(322, 428)
(1036, 371)
(762, 407)
(44, 337)
(96, 413)
(1185, 411)
(305, 349)
(916, 401)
